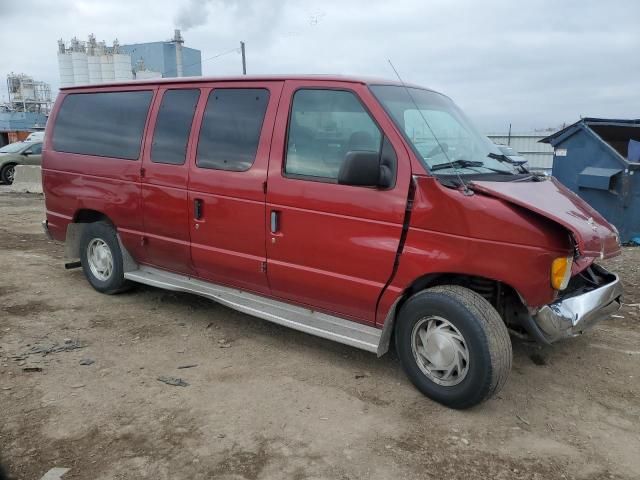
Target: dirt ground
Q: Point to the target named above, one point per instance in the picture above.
(265, 402)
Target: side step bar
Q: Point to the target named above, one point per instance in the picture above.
(299, 318)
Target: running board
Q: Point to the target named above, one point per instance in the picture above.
(299, 318)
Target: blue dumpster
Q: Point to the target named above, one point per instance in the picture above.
(599, 159)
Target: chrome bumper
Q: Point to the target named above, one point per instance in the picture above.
(571, 316)
(45, 227)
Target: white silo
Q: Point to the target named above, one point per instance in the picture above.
(65, 68)
(95, 69)
(106, 68)
(80, 68)
(122, 67)
(93, 60)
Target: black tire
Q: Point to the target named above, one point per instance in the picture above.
(486, 340)
(115, 282)
(6, 174)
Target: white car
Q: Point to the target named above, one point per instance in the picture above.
(35, 136)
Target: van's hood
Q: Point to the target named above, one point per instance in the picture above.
(594, 236)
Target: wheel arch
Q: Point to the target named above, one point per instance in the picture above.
(504, 298)
(75, 228)
(88, 215)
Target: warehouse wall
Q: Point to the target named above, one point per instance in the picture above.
(539, 155)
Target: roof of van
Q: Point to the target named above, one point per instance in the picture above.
(248, 78)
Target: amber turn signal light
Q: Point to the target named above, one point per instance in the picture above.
(561, 272)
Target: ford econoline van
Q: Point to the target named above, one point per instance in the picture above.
(361, 211)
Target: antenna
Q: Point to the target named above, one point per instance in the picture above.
(465, 189)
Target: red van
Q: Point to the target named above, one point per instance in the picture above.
(361, 211)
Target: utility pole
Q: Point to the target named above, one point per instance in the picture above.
(244, 60)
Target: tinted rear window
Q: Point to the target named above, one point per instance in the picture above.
(106, 124)
(173, 126)
(231, 128)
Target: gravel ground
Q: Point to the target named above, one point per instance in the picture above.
(264, 402)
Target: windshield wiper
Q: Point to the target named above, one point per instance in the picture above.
(460, 163)
(505, 159)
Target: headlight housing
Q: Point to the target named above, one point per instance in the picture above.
(561, 272)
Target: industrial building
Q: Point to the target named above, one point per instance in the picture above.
(93, 62)
(27, 108)
(81, 63)
(539, 155)
(171, 58)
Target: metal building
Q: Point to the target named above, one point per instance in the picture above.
(539, 155)
(92, 62)
(599, 159)
(26, 110)
(171, 58)
(27, 94)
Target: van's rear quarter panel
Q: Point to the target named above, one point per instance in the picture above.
(73, 182)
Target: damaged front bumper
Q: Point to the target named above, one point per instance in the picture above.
(581, 309)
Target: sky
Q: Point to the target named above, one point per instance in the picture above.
(534, 64)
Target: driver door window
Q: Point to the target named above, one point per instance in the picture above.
(324, 126)
(34, 150)
(33, 155)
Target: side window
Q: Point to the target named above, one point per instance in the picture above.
(324, 126)
(36, 149)
(231, 128)
(108, 124)
(173, 126)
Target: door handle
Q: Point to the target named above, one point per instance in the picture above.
(197, 208)
(275, 221)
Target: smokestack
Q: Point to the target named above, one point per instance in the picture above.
(178, 40)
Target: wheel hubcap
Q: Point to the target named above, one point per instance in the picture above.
(10, 174)
(440, 351)
(100, 259)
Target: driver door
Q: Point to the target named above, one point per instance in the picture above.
(33, 155)
(331, 247)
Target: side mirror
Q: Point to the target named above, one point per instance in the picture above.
(26, 153)
(360, 169)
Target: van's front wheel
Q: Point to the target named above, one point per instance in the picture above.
(453, 345)
(101, 258)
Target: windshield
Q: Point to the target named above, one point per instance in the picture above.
(13, 147)
(439, 132)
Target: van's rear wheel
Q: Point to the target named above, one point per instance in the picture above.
(101, 258)
(453, 345)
